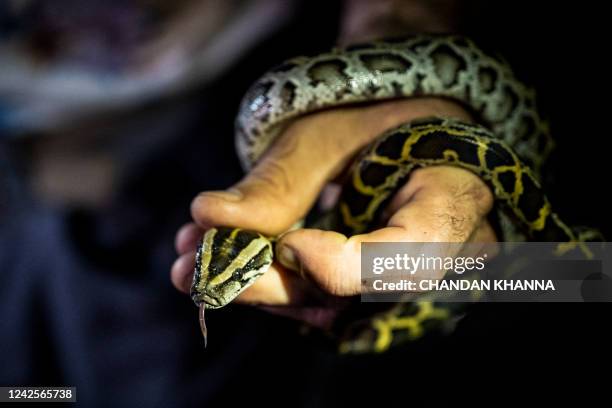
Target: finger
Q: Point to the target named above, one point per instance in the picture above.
(276, 287)
(181, 273)
(435, 213)
(279, 287)
(313, 150)
(329, 196)
(318, 256)
(187, 238)
(281, 188)
(331, 260)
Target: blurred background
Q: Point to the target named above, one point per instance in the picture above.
(114, 114)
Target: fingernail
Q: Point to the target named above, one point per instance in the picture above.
(287, 258)
(231, 194)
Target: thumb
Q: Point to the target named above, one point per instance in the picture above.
(284, 184)
(312, 151)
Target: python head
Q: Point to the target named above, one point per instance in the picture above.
(228, 261)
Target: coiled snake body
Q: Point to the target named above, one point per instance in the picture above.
(506, 150)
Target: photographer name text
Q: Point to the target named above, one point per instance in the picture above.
(464, 285)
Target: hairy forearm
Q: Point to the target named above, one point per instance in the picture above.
(364, 20)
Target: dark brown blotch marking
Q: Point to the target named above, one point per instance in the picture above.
(497, 155)
(434, 144)
(328, 72)
(532, 199)
(487, 77)
(391, 146)
(375, 174)
(385, 62)
(287, 95)
(448, 64)
(507, 179)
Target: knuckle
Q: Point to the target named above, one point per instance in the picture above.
(453, 226)
(273, 176)
(334, 274)
(274, 184)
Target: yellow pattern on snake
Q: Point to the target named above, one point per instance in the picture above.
(230, 259)
(507, 157)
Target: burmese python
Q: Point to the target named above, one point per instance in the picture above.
(506, 150)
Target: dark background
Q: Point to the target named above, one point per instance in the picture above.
(85, 297)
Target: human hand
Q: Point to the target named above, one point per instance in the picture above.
(316, 269)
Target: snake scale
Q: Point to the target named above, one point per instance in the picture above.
(506, 149)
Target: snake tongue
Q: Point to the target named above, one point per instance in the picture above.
(203, 324)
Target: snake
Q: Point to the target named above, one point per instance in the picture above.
(506, 146)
